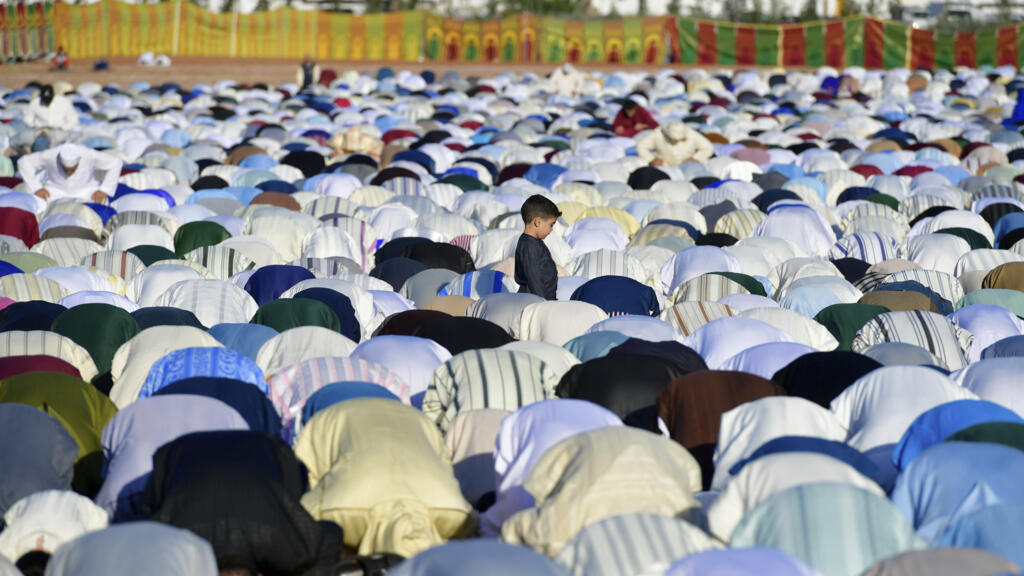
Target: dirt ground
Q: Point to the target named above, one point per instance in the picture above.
(186, 71)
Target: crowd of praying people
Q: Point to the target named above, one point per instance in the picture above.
(684, 323)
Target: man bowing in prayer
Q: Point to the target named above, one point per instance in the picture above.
(70, 171)
(672, 145)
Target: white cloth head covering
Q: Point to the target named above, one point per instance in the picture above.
(46, 520)
(135, 548)
(745, 428)
(525, 436)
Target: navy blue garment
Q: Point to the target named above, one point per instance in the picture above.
(8, 268)
(31, 315)
(441, 255)
(416, 157)
(254, 406)
(339, 392)
(645, 177)
(769, 197)
(683, 357)
(165, 316)
(340, 305)
(395, 248)
(717, 239)
(855, 193)
(240, 491)
(838, 450)
(822, 376)
(459, 334)
(1011, 347)
(943, 306)
(269, 282)
(626, 384)
(851, 268)
(277, 186)
(1018, 110)
(893, 134)
(395, 271)
(619, 295)
(104, 212)
(310, 163)
(535, 270)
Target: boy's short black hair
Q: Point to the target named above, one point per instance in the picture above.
(629, 104)
(537, 206)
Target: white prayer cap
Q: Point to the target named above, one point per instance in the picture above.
(69, 155)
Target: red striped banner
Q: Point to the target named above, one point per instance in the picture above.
(1006, 47)
(922, 48)
(707, 43)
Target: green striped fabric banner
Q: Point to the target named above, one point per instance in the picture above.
(894, 53)
(768, 46)
(853, 45)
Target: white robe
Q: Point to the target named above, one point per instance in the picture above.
(95, 171)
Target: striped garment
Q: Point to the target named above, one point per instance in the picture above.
(984, 260)
(880, 224)
(838, 180)
(478, 284)
(802, 522)
(687, 317)
(45, 343)
(300, 344)
(871, 247)
(933, 332)
(606, 262)
(739, 224)
(371, 196)
(488, 378)
(325, 267)
(874, 210)
(283, 233)
(220, 261)
(67, 251)
(364, 235)
(212, 301)
(870, 281)
(917, 204)
(652, 232)
(707, 288)
(465, 241)
(444, 194)
(404, 186)
(25, 287)
(633, 544)
(140, 218)
(327, 242)
(78, 210)
(291, 386)
(997, 190)
(945, 285)
(118, 262)
(331, 206)
(449, 225)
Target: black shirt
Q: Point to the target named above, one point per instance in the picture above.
(536, 272)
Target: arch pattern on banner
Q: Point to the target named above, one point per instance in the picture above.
(112, 28)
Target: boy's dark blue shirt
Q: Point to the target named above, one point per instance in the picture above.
(536, 272)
